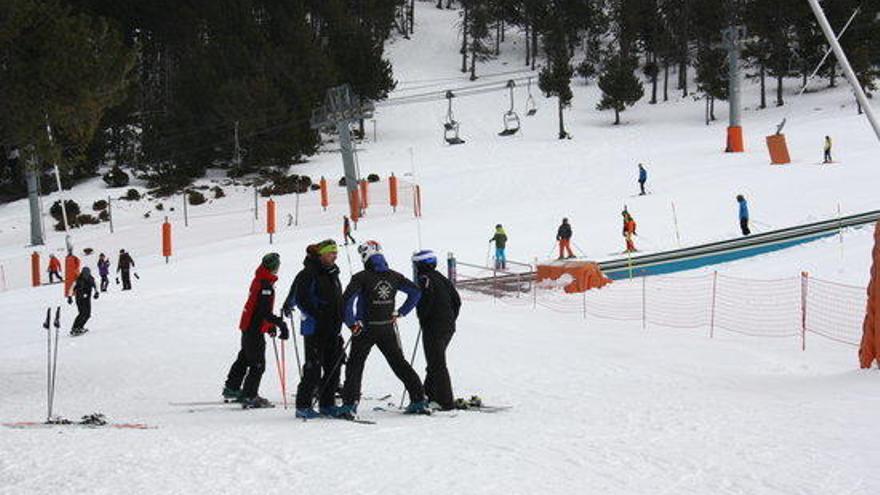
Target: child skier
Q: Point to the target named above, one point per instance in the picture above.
(500, 240)
(124, 265)
(256, 319)
(827, 158)
(104, 271)
(563, 236)
(54, 269)
(629, 230)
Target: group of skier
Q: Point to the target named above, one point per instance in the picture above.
(84, 288)
(368, 308)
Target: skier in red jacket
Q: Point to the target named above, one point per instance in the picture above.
(257, 319)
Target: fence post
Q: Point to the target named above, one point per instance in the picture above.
(166, 240)
(35, 269)
(644, 297)
(712, 316)
(805, 282)
(270, 219)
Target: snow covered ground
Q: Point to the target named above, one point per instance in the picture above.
(599, 406)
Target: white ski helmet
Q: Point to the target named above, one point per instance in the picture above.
(368, 249)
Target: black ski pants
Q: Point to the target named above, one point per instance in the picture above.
(105, 281)
(323, 352)
(744, 226)
(126, 280)
(385, 338)
(249, 365)
(438, 385)
(642, 187)
(84, 307)
(54, 275)
(827, 158)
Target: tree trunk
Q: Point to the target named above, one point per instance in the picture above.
(665, 80)
(528, 47)
(534, 46)
(473, 60)
(464, 37)
(562, 133)
(779, 100)
(498, 38)
(412, 16)
(763, 74)
(439, 4)
(616, 117)
(832, 83)
(654, 80)
(712, 108)
(503, 31)
(684, 79)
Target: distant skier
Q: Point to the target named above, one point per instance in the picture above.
(346, 231)
(827, 158)
(256, 319)
(369, 311)
(124, 265)
(629, 230)
(437, 310)
(563, 236)
(104, 271)
(317, 292)
(500, 240)
(743, 214)
(82, 291)
(643, 177)
(54, 269)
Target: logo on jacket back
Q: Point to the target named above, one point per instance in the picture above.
(384, 291)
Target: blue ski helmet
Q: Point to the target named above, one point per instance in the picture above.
(425, 257)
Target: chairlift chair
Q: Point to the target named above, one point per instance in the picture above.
(511, 119)
(531, 108)
(450, 126)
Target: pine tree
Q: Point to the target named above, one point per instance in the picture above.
(555, 78)
(619, 84)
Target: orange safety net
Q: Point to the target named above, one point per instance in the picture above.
(587, 275)
(869, 350)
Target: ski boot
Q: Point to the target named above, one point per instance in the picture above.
(76, 332)
(231, 394)
(461, 403)
(475, 401)
(256, 403)
(328, 411)
(307, 413)
(346, 411)
(420, 407)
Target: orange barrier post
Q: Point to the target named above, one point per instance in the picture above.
(417, 201)
(35, 269)
(325, 195)
(735, 140)
(270, 219)
(166, 239)
(392, 191)
(869, 350)
(71, 271)
(354, 206)
(365, 201)
(778, 149)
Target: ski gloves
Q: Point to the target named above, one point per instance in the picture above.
(283, 331)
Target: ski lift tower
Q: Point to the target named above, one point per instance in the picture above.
(341, 108)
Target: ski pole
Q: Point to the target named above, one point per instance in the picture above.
(488, 253)
(295, 348)
(48, 364)
(57, 325)
(348, 257)
(280, 374)
(411, 360)
(284, 372)
(332, 372)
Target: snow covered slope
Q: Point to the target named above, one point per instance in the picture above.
(598, 406)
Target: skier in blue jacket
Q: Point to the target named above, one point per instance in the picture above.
(643, 177)
(369, 312)
(743, 214)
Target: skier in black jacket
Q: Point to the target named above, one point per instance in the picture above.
(124, 265)
(317, 293)
(437, 310)
(368, 309)
(82, 290)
